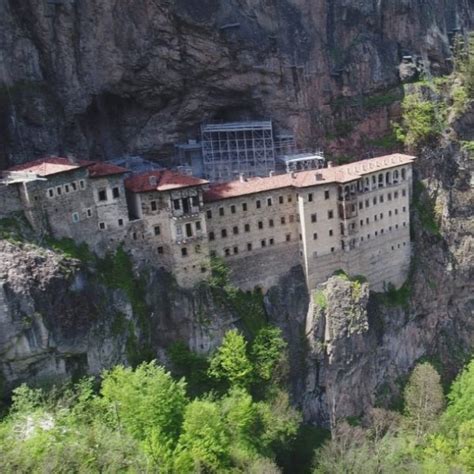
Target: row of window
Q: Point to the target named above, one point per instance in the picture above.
(66, 188)
(382, 231)
(189, 229)
(381, 216)
(380, 199)
(102, 194)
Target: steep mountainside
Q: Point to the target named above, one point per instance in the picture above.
(106, 78)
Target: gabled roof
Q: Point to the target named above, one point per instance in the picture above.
(50, 165)
(99, 169)
(161, 180)
(302, 179)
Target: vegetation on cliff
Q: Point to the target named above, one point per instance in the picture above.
(425, 437)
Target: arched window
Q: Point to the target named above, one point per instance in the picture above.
(367, 184)
(403, 173)
(387, 178)
(381, 180)
(395, 176)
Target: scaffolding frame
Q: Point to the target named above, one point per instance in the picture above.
(237, 148)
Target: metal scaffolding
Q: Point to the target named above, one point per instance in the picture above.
(232, 149)
(303, 161)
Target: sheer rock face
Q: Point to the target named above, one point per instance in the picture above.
(106, 78)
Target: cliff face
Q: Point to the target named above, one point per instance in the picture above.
(105, 78)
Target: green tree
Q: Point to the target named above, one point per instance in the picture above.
(203, 445)
(267, 351)
(230, 361)
(145, 399)
(424, 399)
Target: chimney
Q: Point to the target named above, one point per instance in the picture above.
(330, 164)
(242, 178)
(319, 176)
(152, 180)
(271, 173)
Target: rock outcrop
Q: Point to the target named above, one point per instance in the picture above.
(104, 78)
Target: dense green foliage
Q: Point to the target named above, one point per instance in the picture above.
(144, 420)
(423, 439)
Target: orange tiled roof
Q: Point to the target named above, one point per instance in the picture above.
(302, 179)
(50, 165)
(161, 180)
(99, 169)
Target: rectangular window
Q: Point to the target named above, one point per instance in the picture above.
(177, 204)
(389, 213)
(249, 246)
(326, 194)
(102, 225)
(269, 201)
(102, 195)
(361, 222)
(75, 217)
(271, 223)
(361, 205)
(271, 241)
(288, 237)
(332, 249)
(292, 218)
(366, 203)
(375, 218)
(211, 236)
(235, 230)
(59, 190)
(50, 193)
(244, 206)
(263, 243)
(313, 218)
(66, 188)
(227, 252)
(374, 200)
(74, 186)
(153, 205)
(247, 227)
(198, 225)
(260, 224)
(331, 232)
(157, 230)
(115, 192)
(280, 199)
(232, 209)
(195, 201)
(381, 215)
(389, 196)
(189, 230)
(282, 220)
(367, 221)
(221, 211)
(89, 212)
(381, 198)
(396, 212)
(197, 249)
(236, 250)
(404, 209)
(315, 236)
(82, 184)
(258, 204)
(160, 250)
(395, 195)
(209, 214)
(404, 192)
(224, 233)
(289, 198)
(184, 252)
(330, 214)
(310, 197)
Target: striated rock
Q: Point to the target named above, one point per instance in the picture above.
(105, 78)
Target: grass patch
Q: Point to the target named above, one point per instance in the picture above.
(320, 299)
(387, 142)
(377, 101)
(248, 305)
(69, 248)
(424, 208)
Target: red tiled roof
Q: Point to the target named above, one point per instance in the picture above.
(302, 179)
(161, 180)
(50, 165)
(99, 169)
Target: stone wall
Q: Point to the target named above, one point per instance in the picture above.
(9, 200)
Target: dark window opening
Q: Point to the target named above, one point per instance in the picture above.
(115, 192)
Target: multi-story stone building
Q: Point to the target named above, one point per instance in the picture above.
(353, 217)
